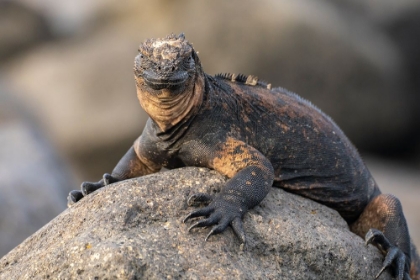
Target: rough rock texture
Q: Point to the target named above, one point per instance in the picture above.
(33, 178)
(134, 230)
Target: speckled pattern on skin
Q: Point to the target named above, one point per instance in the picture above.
(258, 136)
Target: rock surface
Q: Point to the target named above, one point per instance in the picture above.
(134, 230)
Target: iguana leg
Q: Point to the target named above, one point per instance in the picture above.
(128, 167)
(251, 177)
(382, 223)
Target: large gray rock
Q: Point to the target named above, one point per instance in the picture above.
(134, 230)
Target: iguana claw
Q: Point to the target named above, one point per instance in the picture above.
(394, 257)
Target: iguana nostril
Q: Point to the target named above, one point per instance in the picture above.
(173, 68)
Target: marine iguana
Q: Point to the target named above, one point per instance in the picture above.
(259, 137)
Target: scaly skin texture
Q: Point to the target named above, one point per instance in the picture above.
(259, 137)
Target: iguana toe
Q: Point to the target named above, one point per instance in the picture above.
(238, 229)
(220, 227)
(196, 199)
(89, 187)
(206, 211)
(73, 197)
(212, 220)
(109, 179)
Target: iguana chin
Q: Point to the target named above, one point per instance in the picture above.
(258, 137)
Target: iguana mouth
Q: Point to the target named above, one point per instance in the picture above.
(158, 82)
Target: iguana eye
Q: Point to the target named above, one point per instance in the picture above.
(189, 62)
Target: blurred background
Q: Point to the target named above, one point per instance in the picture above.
(68, 106)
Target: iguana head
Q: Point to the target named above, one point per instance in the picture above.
(169, 80)
(165, 65)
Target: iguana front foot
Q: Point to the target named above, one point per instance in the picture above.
(394, 257)
(223, 210)
(89, 187)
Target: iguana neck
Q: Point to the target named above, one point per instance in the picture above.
(168, 111)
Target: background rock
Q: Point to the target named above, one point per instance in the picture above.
(33, 178)
(20, 29)
(134, 230)
(342, 57)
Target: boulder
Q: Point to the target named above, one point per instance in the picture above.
(133, 230)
